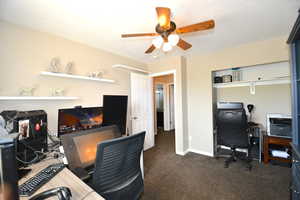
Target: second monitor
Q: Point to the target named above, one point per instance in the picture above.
(81, 147)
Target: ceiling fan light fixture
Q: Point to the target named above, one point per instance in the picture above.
(157, 42)
(167, 47)
(173, 39)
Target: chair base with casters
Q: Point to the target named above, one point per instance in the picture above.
(235, 156)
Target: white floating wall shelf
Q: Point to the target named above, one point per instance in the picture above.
(62, 98)
(130, 68)
(62, 75)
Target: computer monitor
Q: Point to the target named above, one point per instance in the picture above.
(76, 119)
(115, 111)
(80, 147)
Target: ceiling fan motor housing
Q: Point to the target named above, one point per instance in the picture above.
(163, 32)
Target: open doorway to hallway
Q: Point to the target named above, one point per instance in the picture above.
(164, 105)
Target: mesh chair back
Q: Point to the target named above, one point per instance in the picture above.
(117, 173)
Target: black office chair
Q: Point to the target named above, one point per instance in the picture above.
(117, 174)
(232, 131)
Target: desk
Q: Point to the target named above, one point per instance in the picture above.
(278, 141)
(65, 178)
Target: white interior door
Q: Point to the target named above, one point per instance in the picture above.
(141, 107)
(172, 108)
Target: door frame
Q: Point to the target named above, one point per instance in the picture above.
(153, 105)
(169, 85)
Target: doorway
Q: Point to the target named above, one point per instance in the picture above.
(164, 105)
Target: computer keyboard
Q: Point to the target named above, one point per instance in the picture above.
(37, 181)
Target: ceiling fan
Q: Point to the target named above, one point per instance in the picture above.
(167, 32)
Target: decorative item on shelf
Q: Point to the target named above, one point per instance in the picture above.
(96, 74)
(58, 92)
(54, 65)
(227, 78)
(69, 67)
(218, 79)
(27, 91)
(236, 74)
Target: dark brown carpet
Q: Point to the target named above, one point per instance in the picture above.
(195, 177)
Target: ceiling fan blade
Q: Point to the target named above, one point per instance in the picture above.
(197, 27)
(183, 44)
(151, 49)
(138, 35)
(164, 15)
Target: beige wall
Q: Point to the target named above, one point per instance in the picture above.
(266, 99)
(199, 83)
(24, 53)
(177, 64)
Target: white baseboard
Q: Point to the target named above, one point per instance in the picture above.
(201, 152)
(182, 153)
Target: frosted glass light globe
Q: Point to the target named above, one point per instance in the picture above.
(157, 42)
(173, 39)
(167, 47)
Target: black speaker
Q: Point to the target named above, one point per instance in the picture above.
(8, 170)
(115, 111)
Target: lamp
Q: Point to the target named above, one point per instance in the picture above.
(157, 42)
(173, 39)
(167, 46)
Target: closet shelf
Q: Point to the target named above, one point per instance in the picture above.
(251, 83)
(71, 76)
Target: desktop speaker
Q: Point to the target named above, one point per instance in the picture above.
(8, 170)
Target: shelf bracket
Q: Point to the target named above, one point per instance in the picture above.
(252, 88)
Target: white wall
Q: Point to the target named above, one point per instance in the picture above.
(24, 53)
(199, 83)
(266, 100)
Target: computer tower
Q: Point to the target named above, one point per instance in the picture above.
(8, 170)
(33, 130)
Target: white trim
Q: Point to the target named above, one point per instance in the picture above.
(176, 121)
(37, 98)
(201, 152)
(182, 153)
(62, 75)
(130, 68)
(164, 73)
(166, 105)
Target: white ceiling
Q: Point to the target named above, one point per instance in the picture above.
(100, 23)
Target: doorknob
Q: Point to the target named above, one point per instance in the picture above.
(134, 118)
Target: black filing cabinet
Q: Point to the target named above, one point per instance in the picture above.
(295, 185)
(294, 42)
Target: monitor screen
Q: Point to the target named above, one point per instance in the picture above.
(75, 119)
(115, 111)
(81, 147)
(86, 145)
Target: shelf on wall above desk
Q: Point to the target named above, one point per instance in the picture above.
(250, 83)
(130, 68)
(62, 75)
(62, 98)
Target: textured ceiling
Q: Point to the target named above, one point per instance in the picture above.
(100, 23)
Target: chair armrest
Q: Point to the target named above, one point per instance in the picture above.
(81, 173)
